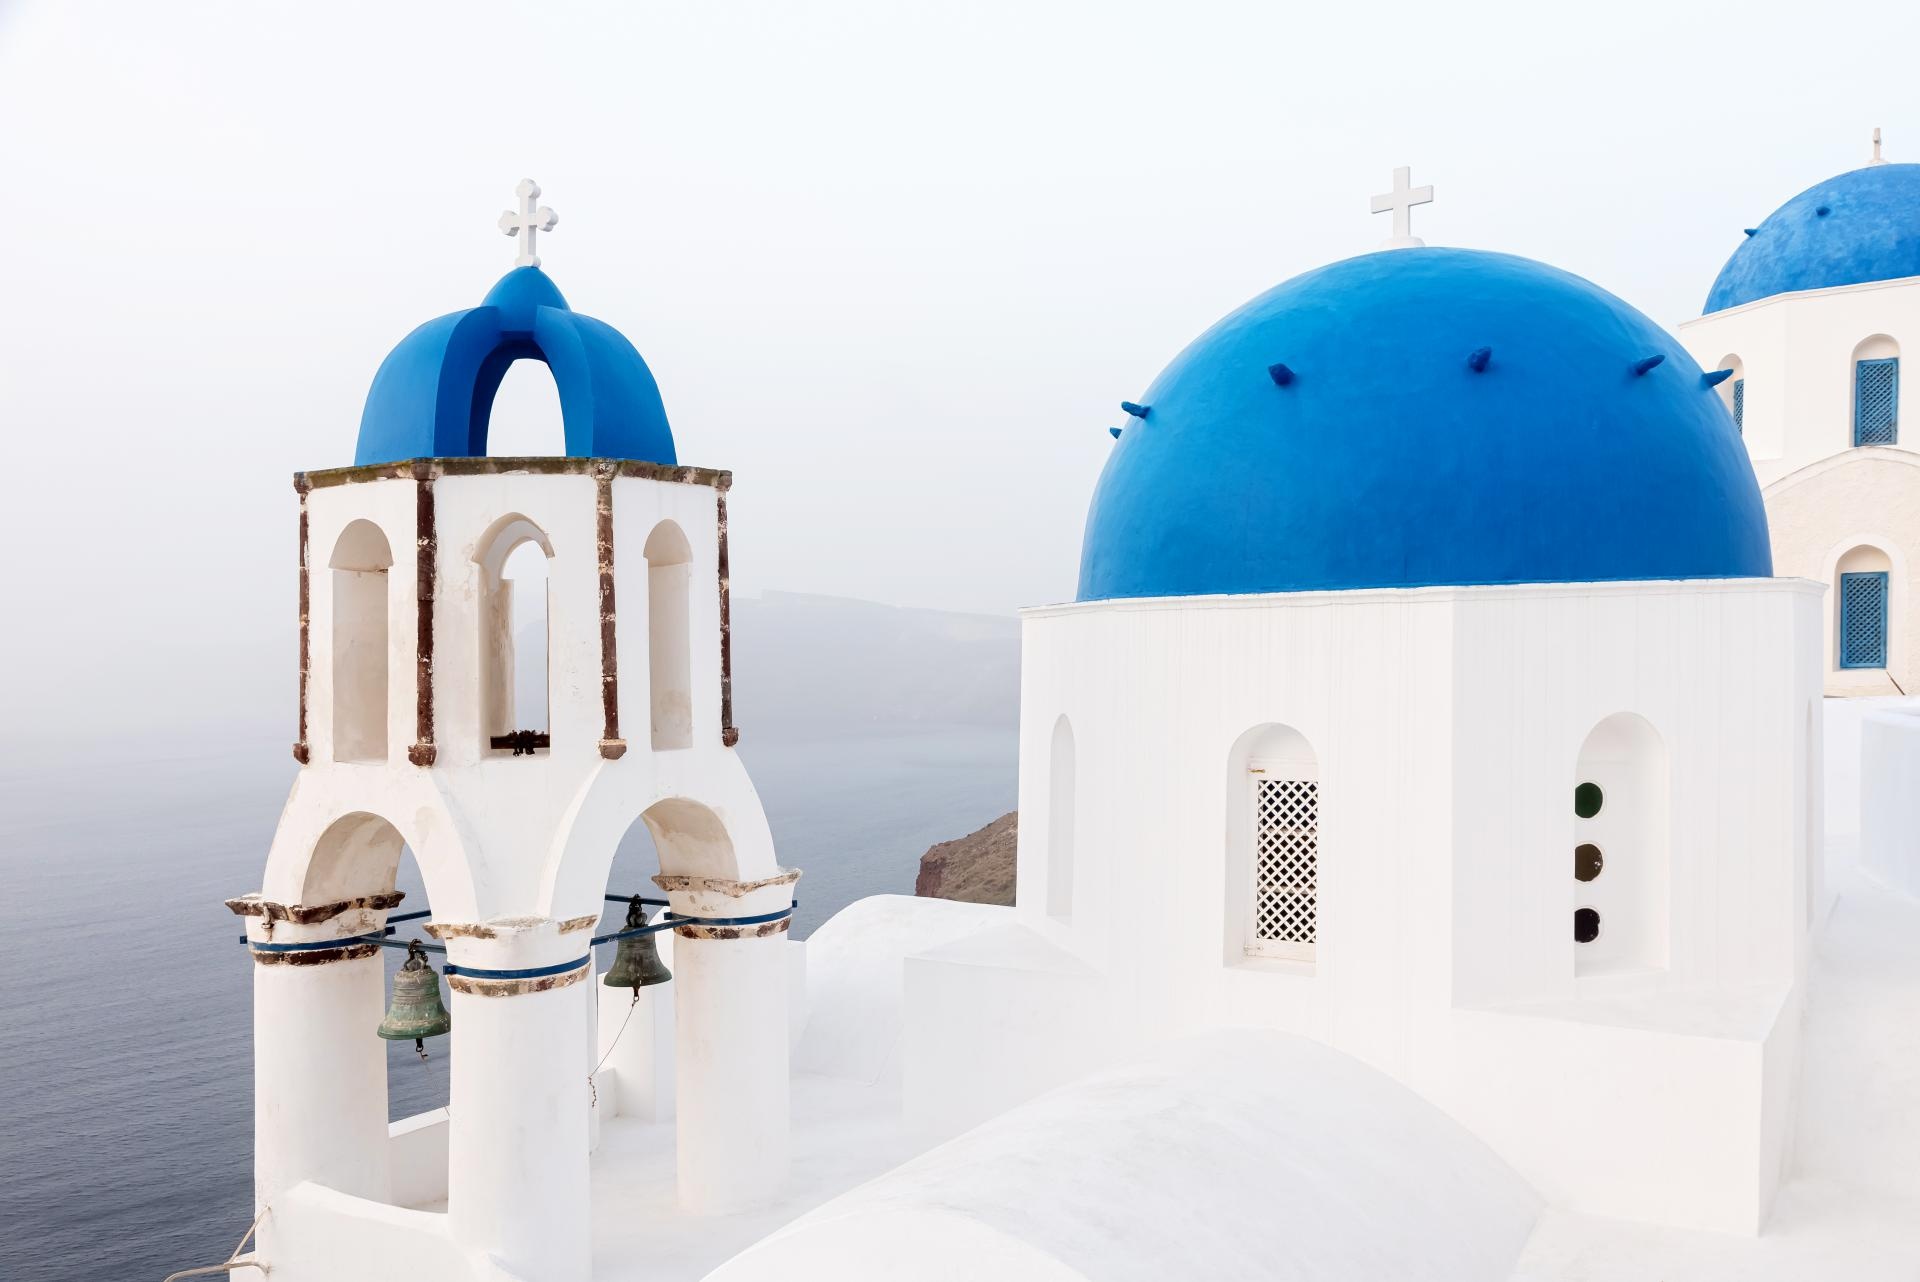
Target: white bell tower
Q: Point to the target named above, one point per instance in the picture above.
(408, 739)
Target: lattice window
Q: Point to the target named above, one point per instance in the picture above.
(1740, 405)
(1863, 620)
(1286, 869)
(1876, 400)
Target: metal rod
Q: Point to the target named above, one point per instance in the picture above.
(627, 899)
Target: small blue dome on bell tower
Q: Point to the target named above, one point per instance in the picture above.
(433, 395)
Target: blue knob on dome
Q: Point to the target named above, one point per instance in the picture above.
(1280, 374)
(1646, 363)
(1477, 359)
(1138, 411)
(1713, 378)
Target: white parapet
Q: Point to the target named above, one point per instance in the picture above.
(1890, 796)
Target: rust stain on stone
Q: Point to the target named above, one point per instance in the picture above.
(722, 885)
(310, 914)
(444, 930)
(761, 931)
(539, 466)
(579, 923)
(317, 956)
(427, 543)
(301, 752)
(612, 747)
(729, 735)
(515, 987)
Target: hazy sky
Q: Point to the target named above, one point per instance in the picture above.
(894, 264)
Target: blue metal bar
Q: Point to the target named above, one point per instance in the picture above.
(311, 945)
(412, 916)
(532, 972)
(666, 922)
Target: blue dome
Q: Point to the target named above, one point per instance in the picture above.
(1858, 227)
(434, 393)
(1419, 417)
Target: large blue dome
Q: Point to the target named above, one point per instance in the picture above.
(1860, 226)
(434, 393)
(1420, 417)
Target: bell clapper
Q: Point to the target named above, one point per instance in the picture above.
(420, 1048)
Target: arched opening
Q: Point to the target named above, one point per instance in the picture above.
(362, 854)
(632, 1043)
(1876, 391)
(514, 558)
(1619, 848)
(360, 561)
(1862, 617)
(1273, 845)
(525, 417)
(669, 647)
(1734, 391)
(1063, 799)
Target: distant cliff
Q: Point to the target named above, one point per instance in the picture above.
(976, 868)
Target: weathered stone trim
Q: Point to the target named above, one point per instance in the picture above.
(316, 956)
(311, 914)
(760, 931)
(515, 987)
(426, 571)
(302, 753)
(572, 924)
(729, 734)
(724, 886)
(612, 746)
(534, 466)
(445, 930)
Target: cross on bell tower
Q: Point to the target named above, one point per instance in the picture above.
(530, 220)
(1401, 201)
(1878, 159)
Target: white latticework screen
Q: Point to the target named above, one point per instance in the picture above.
(1286, 835)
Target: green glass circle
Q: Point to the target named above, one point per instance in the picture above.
(1587, 799)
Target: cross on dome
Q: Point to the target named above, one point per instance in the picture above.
(1877, 158)
(1401, 201)
(528, 221)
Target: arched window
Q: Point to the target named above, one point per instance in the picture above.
(360, 563)
(1862, 625)
(1273, 832)
(1734, 391)
(1619, 848)
(1063, 796)
(514, 559)
(669, 647)
(1876, 391)
(525, 417)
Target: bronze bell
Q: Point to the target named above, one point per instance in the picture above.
(416, 1013)
(637, 964)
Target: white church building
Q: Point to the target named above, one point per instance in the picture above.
(1420, 868)
(1811, 314)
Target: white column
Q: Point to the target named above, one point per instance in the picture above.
(517, 1183)
(731, 1040)
(319, 1071)
(641, 1060)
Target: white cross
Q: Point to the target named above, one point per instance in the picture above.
(1401, 201)
(1876, 148)
(528, 222)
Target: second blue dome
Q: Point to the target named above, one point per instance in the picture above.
(1424, 417)
(1856, 227)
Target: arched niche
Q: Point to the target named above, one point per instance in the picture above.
(513, 601)
(1618, 854)
(669, 645)
(1860, 608)
(1273, 827)
(524, 413)
(1875, 391)
(359, 564)
(1063, 801)
(692, 839)
(1733, 391)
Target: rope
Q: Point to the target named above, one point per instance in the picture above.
(593, 1091)
(232, 1262)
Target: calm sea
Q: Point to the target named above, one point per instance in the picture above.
(125, 1000)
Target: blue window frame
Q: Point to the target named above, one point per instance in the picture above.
(1740, 405)
(1876, 401)
(1863, 620)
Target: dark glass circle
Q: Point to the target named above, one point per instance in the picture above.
(1586, 925)
(1587, 861)
(1586, 800)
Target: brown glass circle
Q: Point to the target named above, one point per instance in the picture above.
(1586, 925)
(1587, 800)
(1587, 861)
